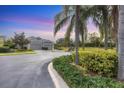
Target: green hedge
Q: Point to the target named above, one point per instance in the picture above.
(23, 50)
(101, 44)
(74, 77)
(102, 63)
(4, 50)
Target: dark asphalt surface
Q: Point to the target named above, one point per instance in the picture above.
(27, 71)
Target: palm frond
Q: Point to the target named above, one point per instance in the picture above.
(59, 25)
(69, 29)
(58, 17)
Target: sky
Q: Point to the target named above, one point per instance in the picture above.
(33, 20)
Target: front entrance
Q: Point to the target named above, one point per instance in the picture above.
(44, 48)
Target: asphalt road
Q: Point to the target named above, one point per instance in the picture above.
(27, 71)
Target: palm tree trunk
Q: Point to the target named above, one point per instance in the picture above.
(106, 35)
(121, 44)
(82, 36)
(77, 11)
(115, 23)
(116, 26)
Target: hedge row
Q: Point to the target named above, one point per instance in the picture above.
(4, 50)
(102, 63)
(74, 77)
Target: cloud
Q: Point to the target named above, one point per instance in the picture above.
(28, 20)
(45, 34)
(40, 27)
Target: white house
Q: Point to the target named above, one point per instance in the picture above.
(37, 43)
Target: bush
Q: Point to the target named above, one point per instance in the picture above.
(74, 77)
(101, 44)
(9, 44)
(103, 63)
(23, 50)
(29, 49)
(20, 50)
(4, 50)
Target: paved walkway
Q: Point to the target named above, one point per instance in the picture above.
(27, 71)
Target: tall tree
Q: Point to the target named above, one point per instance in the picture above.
(20, 40)
(77, 19)
(100, 16)
(121, 44)
(115, 16)
(72, 16)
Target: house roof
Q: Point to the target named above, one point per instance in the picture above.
(39, 38)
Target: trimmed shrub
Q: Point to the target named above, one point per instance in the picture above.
(20, 50)
(75, 79)
(23, 50)
(102, 63)
(4, 50)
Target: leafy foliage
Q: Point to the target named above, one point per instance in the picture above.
(68, 17)
(20, 40)
(61, 42)
(94, 39)
(9, 43)
(4, 50)
(103, 63)
(74, 77)
(1, 42)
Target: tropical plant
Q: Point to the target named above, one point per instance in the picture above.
(105, 18)
(74, 17)
(74, 74)
(100, 16)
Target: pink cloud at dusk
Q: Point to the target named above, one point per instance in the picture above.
(91, 27)
(48, 34)
(40, 33)
(43, 33)
(34, 21)
(28, 20)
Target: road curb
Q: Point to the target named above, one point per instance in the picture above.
(56, 78)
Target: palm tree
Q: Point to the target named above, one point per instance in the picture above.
(77, 19)
(84, 15)
(72, 15)
(105, 18)
(115, 16)
(100, 15)
(121, 44)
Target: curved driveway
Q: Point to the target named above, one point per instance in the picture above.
(27, 71)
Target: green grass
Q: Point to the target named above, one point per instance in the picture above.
(90, 49)
(17, 53)
(97, 49)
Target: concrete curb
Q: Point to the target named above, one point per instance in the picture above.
(58, 81)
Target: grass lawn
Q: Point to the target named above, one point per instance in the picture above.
(90, 49)
(17, 53)
(96, 49)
